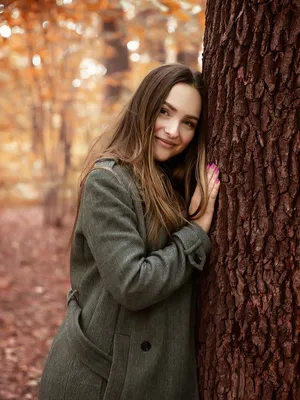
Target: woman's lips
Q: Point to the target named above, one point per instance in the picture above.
(164, 143)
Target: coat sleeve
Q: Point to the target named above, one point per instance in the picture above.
(109, 224)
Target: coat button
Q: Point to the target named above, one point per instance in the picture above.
(145, 346)
(197, 259)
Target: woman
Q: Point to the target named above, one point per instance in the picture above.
(145, 209)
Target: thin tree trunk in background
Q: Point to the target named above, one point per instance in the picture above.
(117, 61)
(156, 50)
(152, 42)
(188, 58)
(37, 118)
(249, 297)
(155, 38)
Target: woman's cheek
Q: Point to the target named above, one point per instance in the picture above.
(188, 137)
(158, 125)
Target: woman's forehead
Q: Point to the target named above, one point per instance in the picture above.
(185, 99)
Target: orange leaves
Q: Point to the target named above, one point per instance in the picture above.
(201, 18)
(16, 43)
(173, 5)
(109, 52)
(112, 81)
(46, 93)
(62, 41)
(99, 5)
(181, 10)
(5, 126)
(137, 30)
(36, 72)
(44, 53)
(201, 3)
(181, 15)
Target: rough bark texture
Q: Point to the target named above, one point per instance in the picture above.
(249, 316)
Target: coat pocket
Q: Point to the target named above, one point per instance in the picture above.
(82, 383)
(110, 370)
(117, 374)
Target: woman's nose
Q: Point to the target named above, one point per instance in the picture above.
(172, 128)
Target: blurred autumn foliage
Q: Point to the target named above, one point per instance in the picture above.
(66, 67)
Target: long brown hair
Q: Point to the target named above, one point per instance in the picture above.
(130, 140)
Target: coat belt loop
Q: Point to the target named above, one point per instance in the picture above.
(72, 295)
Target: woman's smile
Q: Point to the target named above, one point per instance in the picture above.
(165, 143)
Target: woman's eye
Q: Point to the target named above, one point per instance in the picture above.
(164, 111)
(190, 124)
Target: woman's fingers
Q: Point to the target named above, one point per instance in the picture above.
(213, 188)
(213, 181)
(210, 171)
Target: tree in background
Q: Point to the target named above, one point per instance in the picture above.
(249, 300)
(115, 53)
(51, 66)
(66, 68)
(188, 49)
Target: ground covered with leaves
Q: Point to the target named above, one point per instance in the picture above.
(33, 284)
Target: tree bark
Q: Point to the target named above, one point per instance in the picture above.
(249, 296)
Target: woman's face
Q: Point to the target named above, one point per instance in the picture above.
(175, 126)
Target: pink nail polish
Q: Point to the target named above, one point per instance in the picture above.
(208, 166)
(217, 180)
(212, 165)
(216, 170)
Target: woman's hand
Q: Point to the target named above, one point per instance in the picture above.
(213, 187)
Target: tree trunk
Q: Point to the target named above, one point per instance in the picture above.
(188, 58)
(153, 24)
(117, 62)
(249, 297)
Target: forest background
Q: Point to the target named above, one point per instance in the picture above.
(66, 68)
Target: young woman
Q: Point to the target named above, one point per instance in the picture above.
(146, 206)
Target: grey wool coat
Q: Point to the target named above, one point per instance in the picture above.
(129, 329)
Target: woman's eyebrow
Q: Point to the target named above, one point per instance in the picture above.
(174, 109)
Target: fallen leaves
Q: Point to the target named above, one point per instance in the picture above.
(33, 285)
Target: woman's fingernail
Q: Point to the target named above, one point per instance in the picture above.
(212, 165)
(217, 180)
(208, 166)
(216, 170)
